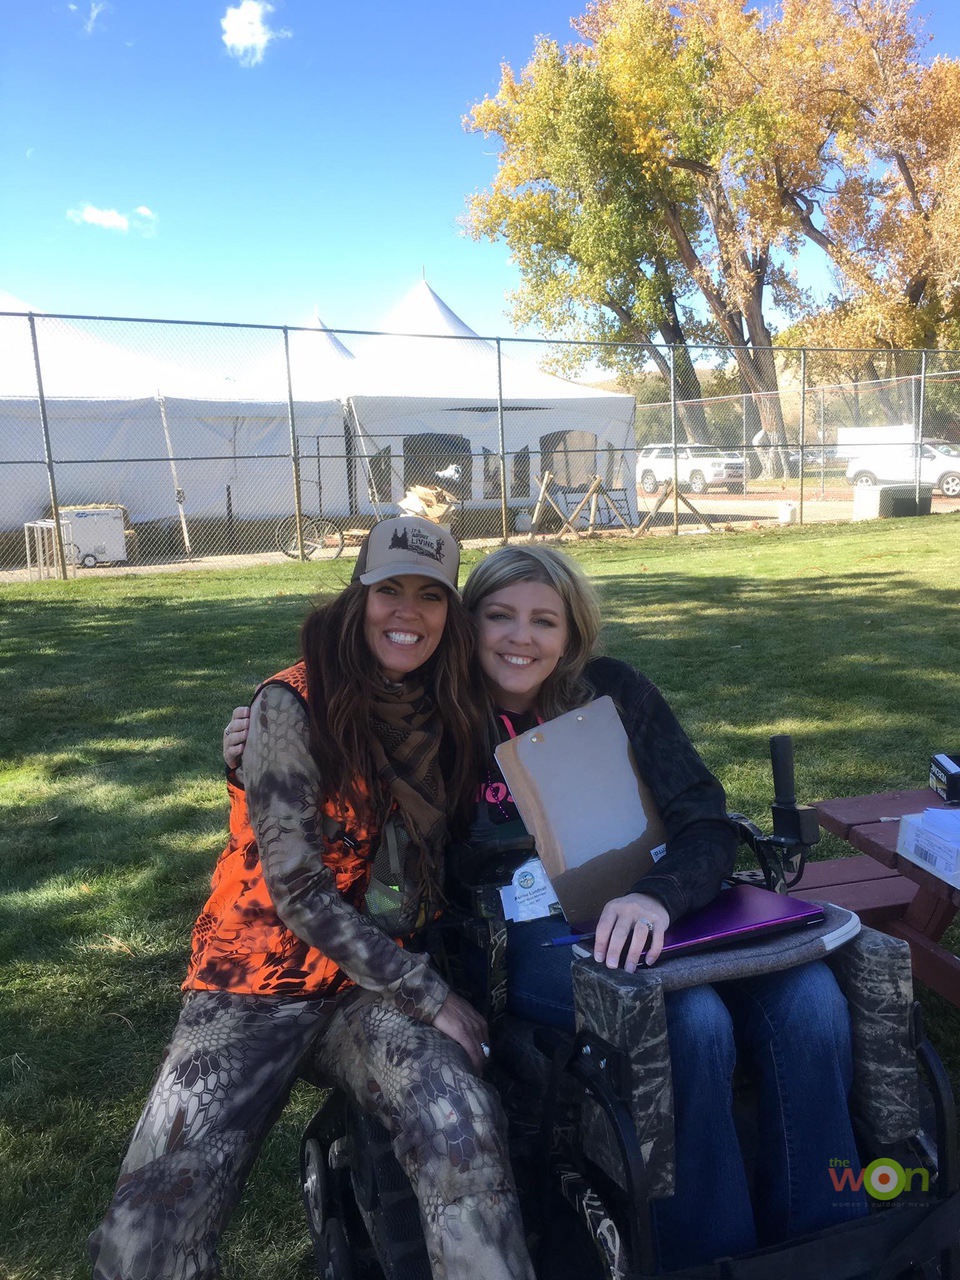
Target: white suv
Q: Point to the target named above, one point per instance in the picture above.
(698, 468)
(939, 466)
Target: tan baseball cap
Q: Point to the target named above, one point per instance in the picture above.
(408, 544)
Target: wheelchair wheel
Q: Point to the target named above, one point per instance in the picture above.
(340, 1248)
(362, 1213)
(337, 1264)
(322, 540)
(315, 1187)
(386, 1200)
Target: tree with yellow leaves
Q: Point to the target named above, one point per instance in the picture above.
(693, 148)
(578, 213)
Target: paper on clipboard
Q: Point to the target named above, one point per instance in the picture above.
(596, 826)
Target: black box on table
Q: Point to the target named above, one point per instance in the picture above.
(945, 776)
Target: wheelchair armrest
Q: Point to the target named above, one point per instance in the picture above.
(477, 920)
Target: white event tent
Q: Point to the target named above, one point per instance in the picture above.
(167, 440)
(421, 403)
(160, 438)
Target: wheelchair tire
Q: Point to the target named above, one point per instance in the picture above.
(337, 1263)
(315, 1187)
(386, 1201)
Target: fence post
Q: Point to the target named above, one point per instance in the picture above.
(673, 440)
(294, 449)
(504, 522)
(921, 407)
(803, 422)
(823, 447)
(177, 491)
(59, 552)
(351, 430)
(746, 460)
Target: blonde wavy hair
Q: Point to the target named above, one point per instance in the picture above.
(565, 687)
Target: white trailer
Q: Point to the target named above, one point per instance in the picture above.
(97, 535)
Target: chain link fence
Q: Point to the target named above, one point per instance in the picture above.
(153, 442)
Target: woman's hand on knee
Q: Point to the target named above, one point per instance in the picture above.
(460, 1021)
(235, 736)
(626, 927)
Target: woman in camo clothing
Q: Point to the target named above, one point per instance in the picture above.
(343, 762)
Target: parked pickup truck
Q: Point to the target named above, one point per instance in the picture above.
(939, 466)
(699, 467)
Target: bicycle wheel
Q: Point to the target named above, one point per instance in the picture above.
(322, 540)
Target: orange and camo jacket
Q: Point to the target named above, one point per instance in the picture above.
(239, 942)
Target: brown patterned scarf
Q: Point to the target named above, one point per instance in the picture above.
(406, 750)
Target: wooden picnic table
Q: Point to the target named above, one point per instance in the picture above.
(886, 891)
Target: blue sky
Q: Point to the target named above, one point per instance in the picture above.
(254, 162)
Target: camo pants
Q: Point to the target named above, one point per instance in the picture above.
(225, 1078)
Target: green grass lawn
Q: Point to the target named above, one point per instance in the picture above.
(114, 809)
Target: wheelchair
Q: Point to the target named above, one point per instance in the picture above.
(590, 1117)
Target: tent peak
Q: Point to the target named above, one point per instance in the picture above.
(423, 311)
(332, 341)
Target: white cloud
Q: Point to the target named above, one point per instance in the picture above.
(246, 32)
(96, 8)
(143, 220)
(89, 22)
(94, 217)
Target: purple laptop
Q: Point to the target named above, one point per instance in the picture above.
(736, 915)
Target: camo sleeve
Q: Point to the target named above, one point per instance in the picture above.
(283, 792)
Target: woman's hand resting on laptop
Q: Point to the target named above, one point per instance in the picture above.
(626, 926)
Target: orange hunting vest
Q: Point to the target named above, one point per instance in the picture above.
(239, 942)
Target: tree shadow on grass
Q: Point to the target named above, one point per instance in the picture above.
(866, 683)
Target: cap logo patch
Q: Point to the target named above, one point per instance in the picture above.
(419, 542)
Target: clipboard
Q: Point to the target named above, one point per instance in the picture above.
(576, 785)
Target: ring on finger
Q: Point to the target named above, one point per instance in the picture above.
(484, 1049)
(644, 921)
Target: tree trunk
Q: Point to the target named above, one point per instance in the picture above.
(774, 460)
(691, 412)
(889, 402)
(745, 330)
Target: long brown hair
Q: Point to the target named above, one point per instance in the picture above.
(565, 687)
(342, 682)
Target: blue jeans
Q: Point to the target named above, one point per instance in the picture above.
(793, 1029)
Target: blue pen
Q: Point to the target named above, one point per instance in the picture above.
(568, 939)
